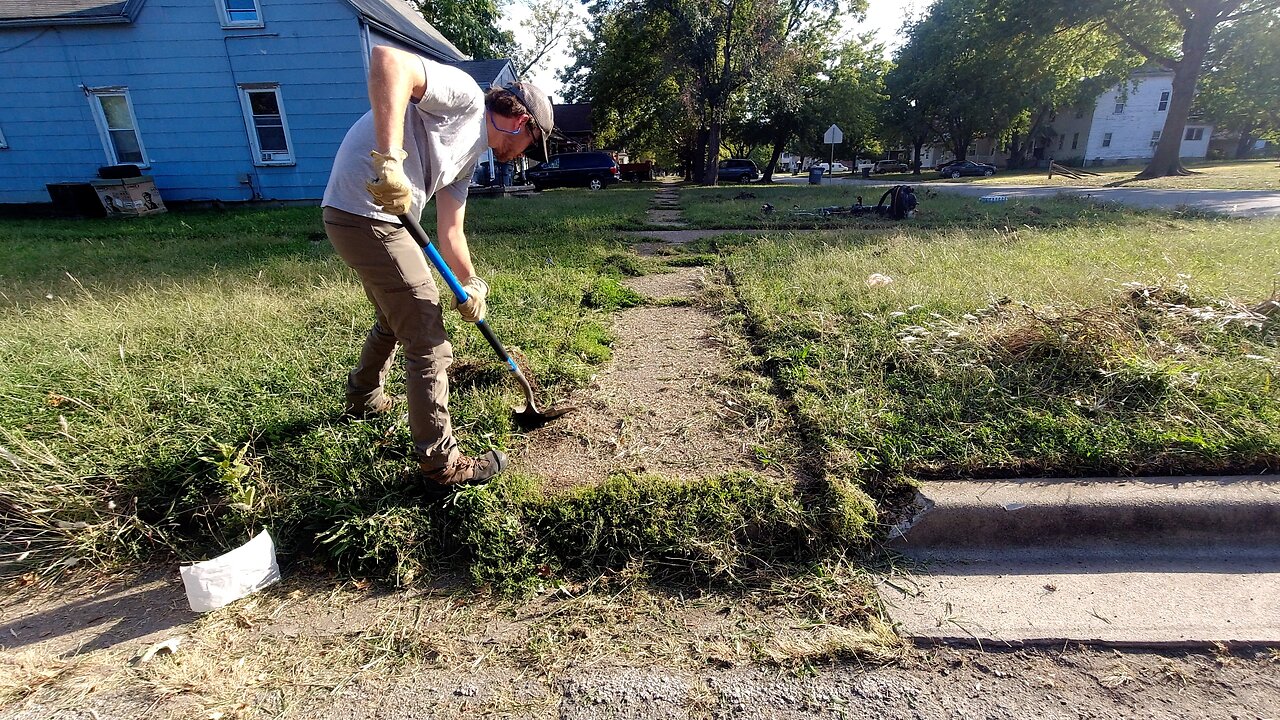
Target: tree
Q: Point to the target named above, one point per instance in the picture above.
(904, 117)
(784, 96)
(723, 43)
(637, 95)
(705, 54)
(1240, 91)
(1173, 34)
(956, 76)
(853, 95)
(471, 25)
(551, 24)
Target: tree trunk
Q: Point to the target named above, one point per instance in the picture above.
(916, 147)
(1168, 156)
(779, 142)
(713, 154)
(1244, 146)
(700, 155)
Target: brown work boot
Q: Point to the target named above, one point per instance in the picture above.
(381, 405)
(467, 470)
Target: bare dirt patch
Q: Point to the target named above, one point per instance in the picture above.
(318, 647)
(654, 408)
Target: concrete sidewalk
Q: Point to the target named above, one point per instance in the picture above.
(1161, 562)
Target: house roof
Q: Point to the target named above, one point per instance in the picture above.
(15, 13)
(573, 118)
(399, 19)
(484, 72)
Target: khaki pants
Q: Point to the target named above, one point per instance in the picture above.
(399, 283)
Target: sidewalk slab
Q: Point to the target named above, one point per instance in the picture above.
(1135, 595)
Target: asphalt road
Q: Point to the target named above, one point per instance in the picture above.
(1240, 203)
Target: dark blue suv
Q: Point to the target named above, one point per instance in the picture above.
(595, 170)
(737, 170)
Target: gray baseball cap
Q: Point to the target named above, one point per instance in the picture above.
(539, 105)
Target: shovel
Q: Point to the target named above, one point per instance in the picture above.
(527, 416)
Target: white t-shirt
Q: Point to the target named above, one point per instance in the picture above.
(444, 134)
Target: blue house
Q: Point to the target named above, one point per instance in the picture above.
(229, 100)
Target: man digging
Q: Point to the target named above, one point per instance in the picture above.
(428, 126)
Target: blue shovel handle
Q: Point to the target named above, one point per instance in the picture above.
(420, 236)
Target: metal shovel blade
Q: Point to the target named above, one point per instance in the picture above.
(528, 416)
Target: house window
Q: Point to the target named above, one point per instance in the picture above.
(1164, 101)
(1155, 138)
(118, 126)
(268, 127)
(1119, 108)
(1075, 141)
(1106, 140)
(1061, 139)
(240, 13)
(1079, 114)
(1193, 133)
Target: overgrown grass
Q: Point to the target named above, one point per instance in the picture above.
(172, 384)
(794, 207)
(1120, 343)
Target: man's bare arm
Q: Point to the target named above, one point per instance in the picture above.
(395, 78)
(450, 214)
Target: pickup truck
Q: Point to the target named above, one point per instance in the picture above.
(636, 172)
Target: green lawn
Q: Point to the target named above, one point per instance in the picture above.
(1216, 175)
(170, 384)
(1020, 350)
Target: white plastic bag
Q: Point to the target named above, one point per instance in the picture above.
(229, 577)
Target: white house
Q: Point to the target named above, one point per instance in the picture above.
(1124, 124)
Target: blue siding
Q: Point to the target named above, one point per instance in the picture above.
(181, 69)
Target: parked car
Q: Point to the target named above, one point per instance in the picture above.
(966, 167)
(595, 170)
(737, 170)
(889, 166)
(833, 168)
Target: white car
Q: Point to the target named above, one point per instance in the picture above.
(833, 168)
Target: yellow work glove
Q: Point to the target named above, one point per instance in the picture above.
(474, 308)
(391, 189)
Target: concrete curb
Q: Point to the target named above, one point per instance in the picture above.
(1016, 513)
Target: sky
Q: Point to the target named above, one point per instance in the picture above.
(884, 18)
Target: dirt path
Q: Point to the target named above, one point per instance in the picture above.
(654, 408)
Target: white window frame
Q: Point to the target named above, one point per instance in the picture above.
(1155, 138)
(104, 130)
(1164, 102)
(227, 22)
(1119, 109)
(260, 158)
(1193, 134)
(1106, 139)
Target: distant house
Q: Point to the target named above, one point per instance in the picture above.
(1122, 126)
(574, 131)
(215, 99)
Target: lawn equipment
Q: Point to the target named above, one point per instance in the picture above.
(527, 416)
(900, 206)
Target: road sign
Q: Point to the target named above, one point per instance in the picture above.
(834, 135)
